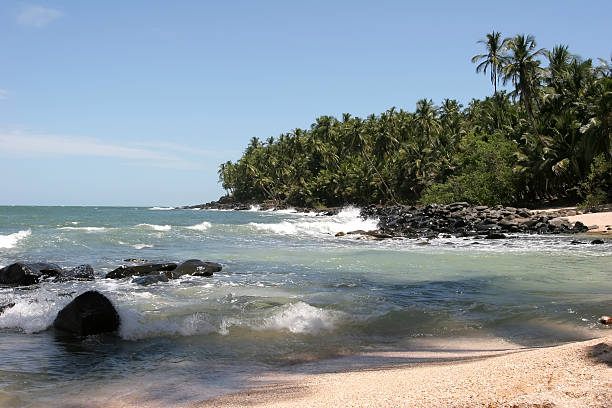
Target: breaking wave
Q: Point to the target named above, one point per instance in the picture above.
(346, 220)
(10, 240)
(156, 227)
(203, 226)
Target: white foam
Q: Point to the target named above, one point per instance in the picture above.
(346, 220)
(141, 246)
(297, 318)
(301, 317)
(33, 315)
(161, 208)
(203, 226)
(88, 229)
(10, 240)
(156, 227)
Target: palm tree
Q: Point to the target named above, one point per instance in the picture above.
(493, 59)
(522, 68)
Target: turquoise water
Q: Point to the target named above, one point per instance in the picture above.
(289, 292)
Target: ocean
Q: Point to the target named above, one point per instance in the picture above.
(290, 294)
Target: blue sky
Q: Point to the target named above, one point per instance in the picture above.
(137, 102)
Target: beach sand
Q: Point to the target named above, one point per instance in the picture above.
(570, 375)
(603, 220)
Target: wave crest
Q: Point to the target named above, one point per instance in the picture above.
(203, 226)
(349, 219)
(10, 240)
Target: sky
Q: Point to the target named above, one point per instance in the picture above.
(136, 103)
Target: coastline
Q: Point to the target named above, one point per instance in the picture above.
(459, 219)
(568, 375)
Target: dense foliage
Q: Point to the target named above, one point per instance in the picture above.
(548, 137)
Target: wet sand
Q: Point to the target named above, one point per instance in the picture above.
(571, 375)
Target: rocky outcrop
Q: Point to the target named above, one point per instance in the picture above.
(89, 313)
(461, 219)
(23, 274)
(140, 270)
(196, 267)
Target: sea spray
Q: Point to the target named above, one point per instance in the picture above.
(346, 220)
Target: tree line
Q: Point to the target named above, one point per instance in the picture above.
(547, 137)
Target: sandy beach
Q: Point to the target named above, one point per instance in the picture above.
(603, 221)
(570, 375)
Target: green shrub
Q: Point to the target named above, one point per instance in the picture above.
(485, 174)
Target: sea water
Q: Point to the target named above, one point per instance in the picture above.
(290, 292)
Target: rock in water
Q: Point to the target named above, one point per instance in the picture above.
(139, 270)
(7, 306)
(21, 274)
(89, 313)
(605, 320)
(196, 267)
(80, 273)
(150, 279)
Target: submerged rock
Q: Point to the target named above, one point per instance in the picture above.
(196, 267)
(23, 274)
(150, 279)
(139, 270)
(89, 313)
(597, 242)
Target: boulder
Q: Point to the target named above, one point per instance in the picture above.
(605, 320)
(22, 274)
(597, 242)
(6, 306)
(150, 279)
(495, 235)
(196, 267)
(139, 270)
(89, 313)
(81, 273)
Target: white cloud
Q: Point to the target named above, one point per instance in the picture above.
(37, 16)
(28, 145)
(3, 94)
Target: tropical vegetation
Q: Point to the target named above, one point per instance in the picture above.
(546, 136)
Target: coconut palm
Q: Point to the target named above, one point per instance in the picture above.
(522, 68)
(493, 60)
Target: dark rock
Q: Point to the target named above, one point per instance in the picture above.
(7, 306)
(495, 235)
(139, 270)
(89, 313)
(80, 273)
(135, 260)
(22, 274)
(605, 320)
(579, 227)
(196, 267)
(378, 234)
(150, 279)
(597, 241)
(575, 242)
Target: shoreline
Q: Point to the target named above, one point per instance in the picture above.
(567, 375)
(459, 219)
